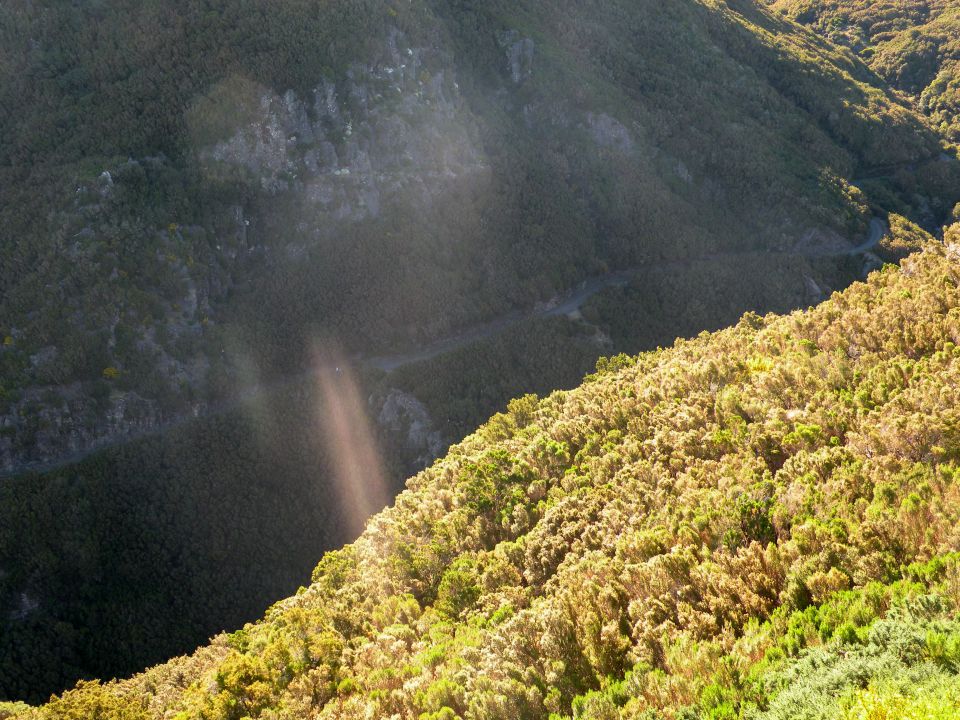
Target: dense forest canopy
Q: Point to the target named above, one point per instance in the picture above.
(160, 235)
(466, 202)
(913, 45)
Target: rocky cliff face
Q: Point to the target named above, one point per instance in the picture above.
(385, 128)
(56, 416)
(55, 424)
(403, 417)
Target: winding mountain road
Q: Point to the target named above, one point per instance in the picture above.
(572, 301)
(562, 305)
(878, 228)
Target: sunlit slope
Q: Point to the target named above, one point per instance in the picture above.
(913, 45)
(703, 527)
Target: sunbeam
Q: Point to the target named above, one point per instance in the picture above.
(357, 467)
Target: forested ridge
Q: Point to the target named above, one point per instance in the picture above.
(195, 196)
(756, 523)
(151, 257)
(913, 45)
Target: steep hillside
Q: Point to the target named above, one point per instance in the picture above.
(141, 551)
(756, 523)
(198, 200)
(913, 45)
(192, 199)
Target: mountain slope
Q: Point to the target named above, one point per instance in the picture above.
(697, 531)
(384, 174)
(915, 46)
(191, 202)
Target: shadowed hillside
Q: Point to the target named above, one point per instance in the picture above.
(191, 200)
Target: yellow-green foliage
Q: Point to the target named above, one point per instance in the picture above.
(682, 531)
(934, 701)
(905, 238)
(913, 44)
(687, 138)
(681, 130)
(8, 709)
